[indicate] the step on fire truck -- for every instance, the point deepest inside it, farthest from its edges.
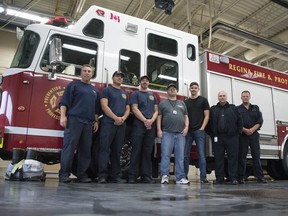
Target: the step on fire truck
(49, 57)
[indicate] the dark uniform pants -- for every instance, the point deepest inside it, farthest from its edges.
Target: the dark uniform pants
(244, 143)
(230, 144)
(76, 134)
(112, 138)
(142, 141)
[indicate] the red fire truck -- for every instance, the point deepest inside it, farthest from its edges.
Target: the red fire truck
(49, 57)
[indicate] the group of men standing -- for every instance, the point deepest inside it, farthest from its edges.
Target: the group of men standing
(178, 123)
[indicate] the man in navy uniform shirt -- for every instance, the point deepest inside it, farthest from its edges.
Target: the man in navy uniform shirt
(115, 106)
(145, 108)
(252, 121)
(79, 122)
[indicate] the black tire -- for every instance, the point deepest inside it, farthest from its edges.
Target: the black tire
(126, 149)
(155, 167)
(285, 159)
(92, 171)
(275, 170)
(125, 159)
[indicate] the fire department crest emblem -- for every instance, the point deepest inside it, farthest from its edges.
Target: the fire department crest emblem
(51, 101)
(124, 96)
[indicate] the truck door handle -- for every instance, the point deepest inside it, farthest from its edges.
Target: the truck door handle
(26, 82)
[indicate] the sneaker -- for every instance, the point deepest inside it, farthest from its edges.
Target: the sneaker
(183, 181)
(165, 179)
(204, 181)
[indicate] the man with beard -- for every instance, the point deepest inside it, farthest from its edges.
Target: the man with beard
(145, 109)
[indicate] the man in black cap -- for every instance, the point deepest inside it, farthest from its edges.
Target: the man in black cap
(116, 109)
(172, 127)
(145, 108)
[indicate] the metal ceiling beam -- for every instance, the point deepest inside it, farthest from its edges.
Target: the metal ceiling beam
(262, 49)
(149, 12)
(246, 35)
(77, 8)
(137, 9)
(234, 41)
(254, 14)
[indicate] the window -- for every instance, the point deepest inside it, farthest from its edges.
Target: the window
(130, 66)
(162, 72)
(75, 53)
(95, 28)
(191, 52)
(26, 50)
(162, 44)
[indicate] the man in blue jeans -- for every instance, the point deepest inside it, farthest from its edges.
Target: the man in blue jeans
(198, 113)
(172, 127)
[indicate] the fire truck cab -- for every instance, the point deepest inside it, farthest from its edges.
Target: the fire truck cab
(49, 57)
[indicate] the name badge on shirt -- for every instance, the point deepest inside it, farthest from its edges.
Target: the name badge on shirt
(174, 112)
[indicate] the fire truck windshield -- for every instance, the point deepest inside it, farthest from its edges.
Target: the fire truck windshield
(26, 50)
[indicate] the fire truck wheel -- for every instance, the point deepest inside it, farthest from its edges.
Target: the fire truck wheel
(125, 159)
(155, 167)
(92, 171)
(285, 159)
(276, 170)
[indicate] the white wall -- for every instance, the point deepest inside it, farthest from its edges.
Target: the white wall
(8, 46)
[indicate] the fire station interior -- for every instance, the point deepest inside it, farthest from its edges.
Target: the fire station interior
(252, 31)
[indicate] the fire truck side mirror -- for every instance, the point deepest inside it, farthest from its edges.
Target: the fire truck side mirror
(55, 56)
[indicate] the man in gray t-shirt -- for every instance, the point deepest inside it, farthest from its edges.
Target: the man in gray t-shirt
(172, 127)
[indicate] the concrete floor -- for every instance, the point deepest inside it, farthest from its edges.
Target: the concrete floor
(53, 198)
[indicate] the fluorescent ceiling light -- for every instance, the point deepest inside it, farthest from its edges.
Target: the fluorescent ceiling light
(167, 77)
(79, 49)
(25, 15)
(1, 9)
